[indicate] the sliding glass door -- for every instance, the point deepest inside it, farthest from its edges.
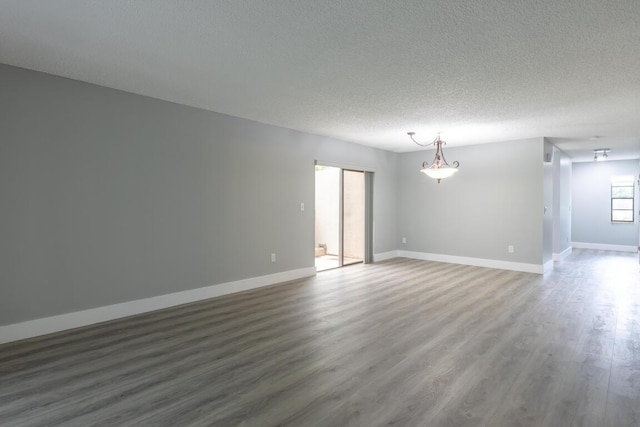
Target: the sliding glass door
(341, 217)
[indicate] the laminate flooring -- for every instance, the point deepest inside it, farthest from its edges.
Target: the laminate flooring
(401, 342)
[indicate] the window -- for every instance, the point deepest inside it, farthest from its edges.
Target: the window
(622, 198)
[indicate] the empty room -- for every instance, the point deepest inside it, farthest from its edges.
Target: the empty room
(307, 213)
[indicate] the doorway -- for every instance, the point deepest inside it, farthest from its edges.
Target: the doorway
(341, 217)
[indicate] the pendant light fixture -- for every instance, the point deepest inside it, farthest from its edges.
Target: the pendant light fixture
(439, 168)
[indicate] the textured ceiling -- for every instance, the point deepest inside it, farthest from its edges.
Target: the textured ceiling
(362, 71)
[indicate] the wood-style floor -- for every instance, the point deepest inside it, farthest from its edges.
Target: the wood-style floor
(402, 342)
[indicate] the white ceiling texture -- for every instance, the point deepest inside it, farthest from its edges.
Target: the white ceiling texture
(358, 70)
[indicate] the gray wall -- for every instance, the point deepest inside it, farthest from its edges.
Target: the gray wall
(110, 197)
(561, 201)
(495, 200)
(591, 203)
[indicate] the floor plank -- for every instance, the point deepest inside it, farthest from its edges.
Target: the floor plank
(401, 342)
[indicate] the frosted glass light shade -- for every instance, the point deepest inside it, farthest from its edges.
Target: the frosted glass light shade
(439, 173)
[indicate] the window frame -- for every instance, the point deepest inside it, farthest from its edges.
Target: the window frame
(624, 182)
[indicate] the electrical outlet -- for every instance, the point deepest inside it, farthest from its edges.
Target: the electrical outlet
(273, 257)
(301, 207)
(511, 249)
(404, 240)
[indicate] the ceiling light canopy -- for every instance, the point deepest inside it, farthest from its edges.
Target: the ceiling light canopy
(439, 168)
(600, 154)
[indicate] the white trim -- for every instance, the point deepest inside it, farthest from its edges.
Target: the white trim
(385, 255)
(562, 255)
(478, 262)
(47, 325)
(605, 247)
(348, 166)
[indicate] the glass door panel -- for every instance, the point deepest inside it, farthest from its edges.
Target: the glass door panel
(328, 196)
(353, 216)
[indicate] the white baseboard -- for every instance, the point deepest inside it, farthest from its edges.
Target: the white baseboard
(47, 325)
(605, 247)
(478, 262)
(562, 255)
(385, 255)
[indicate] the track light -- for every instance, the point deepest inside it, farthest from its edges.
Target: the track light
(600, 154)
